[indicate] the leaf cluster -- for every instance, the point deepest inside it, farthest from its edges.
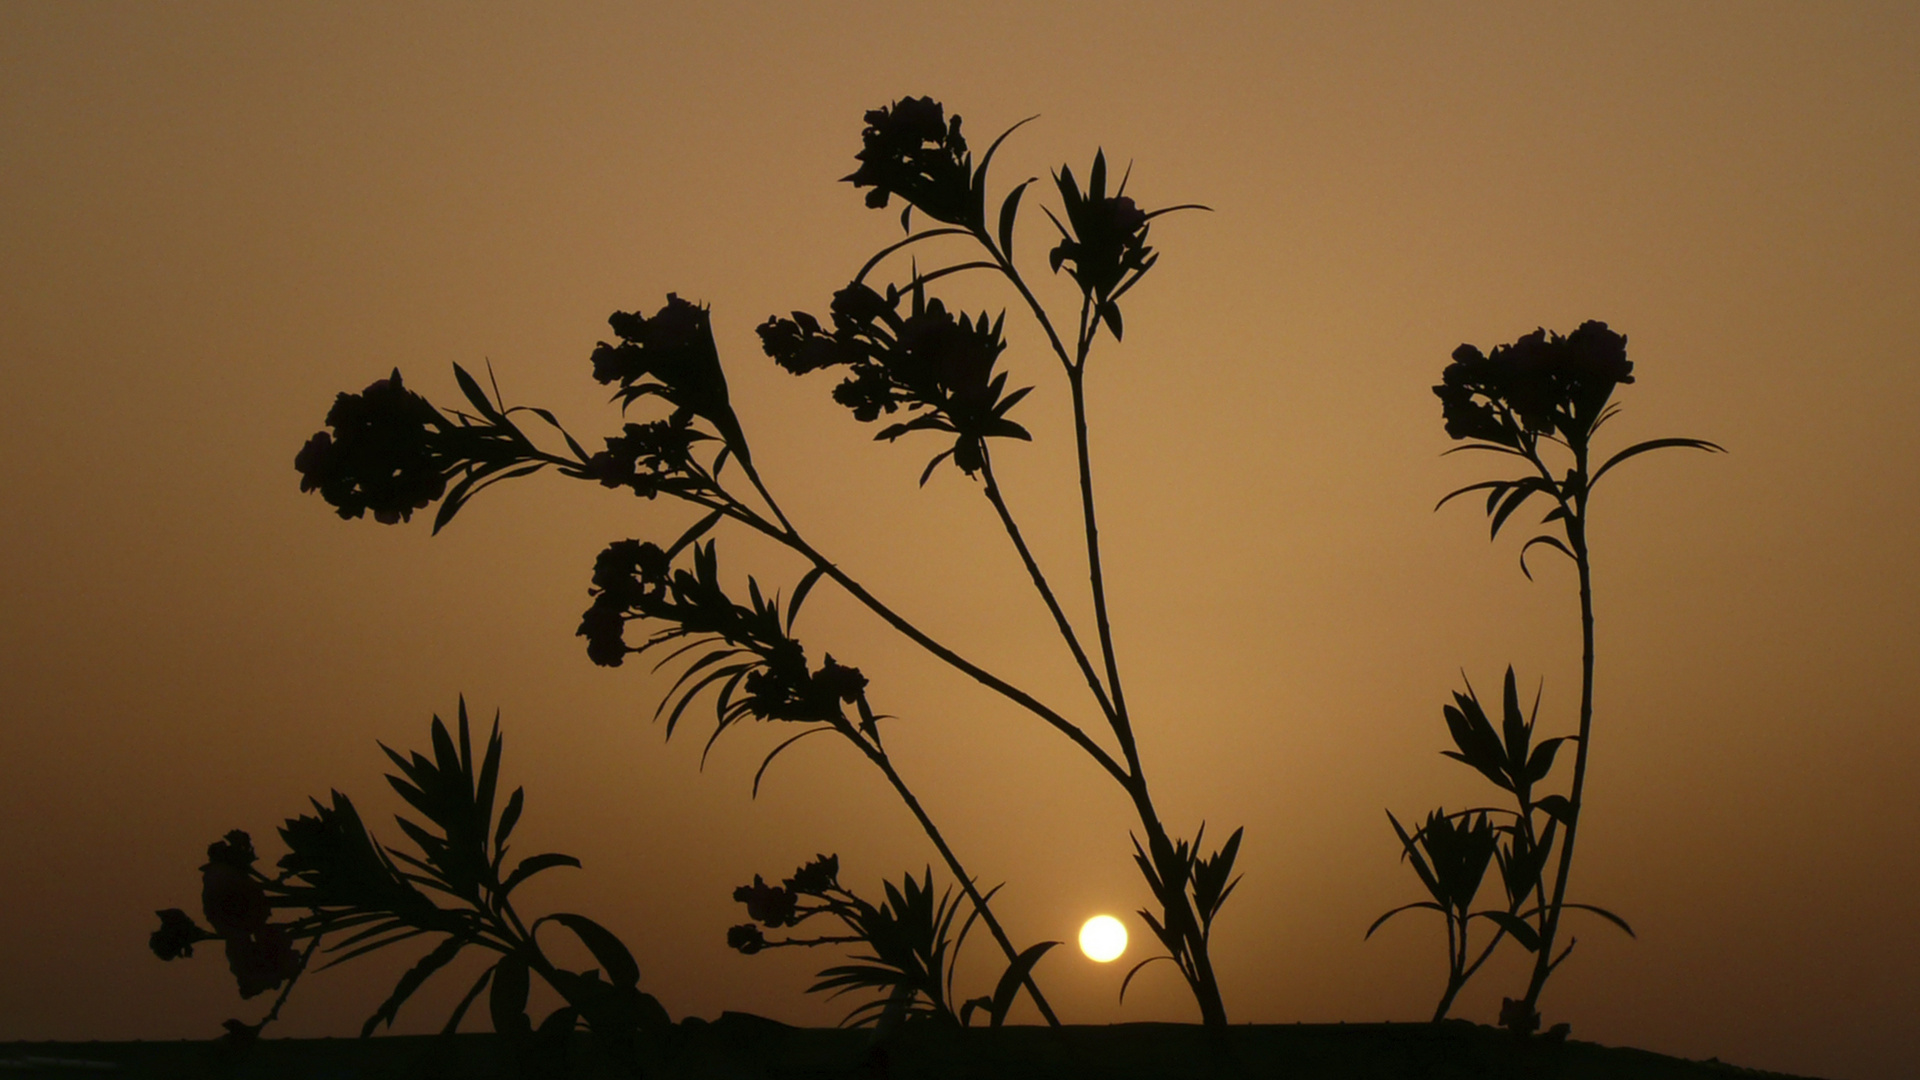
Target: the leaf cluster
(928, 362)
(1180, 877)
(343, 884)
(910, 947)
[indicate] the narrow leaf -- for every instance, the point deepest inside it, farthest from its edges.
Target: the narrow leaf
(762, 771)
(1136, 971)
(1427, 904)
(612, 953)
(411, 981)
(1605, 914)
(533, 865)
(460, 1010)
(1653, 444)
(508, 1002)
(800, 592)
(695, 532)
(1010, 981)
(1513, 925)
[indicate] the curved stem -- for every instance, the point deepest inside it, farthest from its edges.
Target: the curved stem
(919, 637)
(1046, 592)
(786, 534)
(1033, 303)
(878, 756)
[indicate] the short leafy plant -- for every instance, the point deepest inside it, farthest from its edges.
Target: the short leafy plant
(1523, 400)
(338, 884)
(903, 353)
(911, 949)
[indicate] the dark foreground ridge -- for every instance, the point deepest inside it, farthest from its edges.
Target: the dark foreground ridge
(742, 1047)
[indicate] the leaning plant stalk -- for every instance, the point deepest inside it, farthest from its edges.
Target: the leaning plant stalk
(877, 754)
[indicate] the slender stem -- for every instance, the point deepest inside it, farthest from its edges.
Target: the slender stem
(1179, 913)
(790, 537)
(1046, 591)
(1096, 577)
(753, 475)
(878, 756)
(1456, 957)
(274, 1013)
(1033, 302)
(1576, 529)
(955, 660)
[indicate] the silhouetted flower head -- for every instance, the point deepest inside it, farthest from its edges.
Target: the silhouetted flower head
(177, 934)
(747, 938)
(651, 458)
(1105, 236)
(381, 455)
(912, 150)
(627, 577)
(670, 356)
(782, 688)
(262, 960)
(1542, 385)
(231, 895)
(816, 877)
(928, 362)
(767, 904)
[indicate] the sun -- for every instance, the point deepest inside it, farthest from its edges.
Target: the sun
(1103, 938)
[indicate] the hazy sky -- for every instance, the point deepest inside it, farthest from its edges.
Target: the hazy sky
(217, 216)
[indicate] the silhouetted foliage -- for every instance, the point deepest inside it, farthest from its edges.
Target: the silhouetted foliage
(905, 352)
(1519, 400)
(337, 882)
(910, 948)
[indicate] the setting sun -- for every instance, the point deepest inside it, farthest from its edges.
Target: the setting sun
(1103, 938)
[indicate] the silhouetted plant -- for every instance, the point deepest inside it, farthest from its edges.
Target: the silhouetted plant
(935, 365)
(1517, 400)
(911, 951)
(337, 882)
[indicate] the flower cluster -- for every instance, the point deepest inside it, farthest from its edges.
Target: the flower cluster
(779, 906)
(383, 454)
(912, 150)
(1543, 385)
(670, 356)
(233, 897)
(651, 458)
(635, 580)
(928, 362)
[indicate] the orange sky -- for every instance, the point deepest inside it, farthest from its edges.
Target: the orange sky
(217, 216)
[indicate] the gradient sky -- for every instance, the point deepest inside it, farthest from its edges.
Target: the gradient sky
(217, 216)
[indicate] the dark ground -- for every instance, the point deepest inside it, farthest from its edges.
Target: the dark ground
(751, 1048)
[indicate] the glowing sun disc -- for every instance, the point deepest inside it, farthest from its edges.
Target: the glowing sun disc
(1103, 938)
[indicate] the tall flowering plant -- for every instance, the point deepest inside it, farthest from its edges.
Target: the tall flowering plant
(1540, 400)
(905, 354)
